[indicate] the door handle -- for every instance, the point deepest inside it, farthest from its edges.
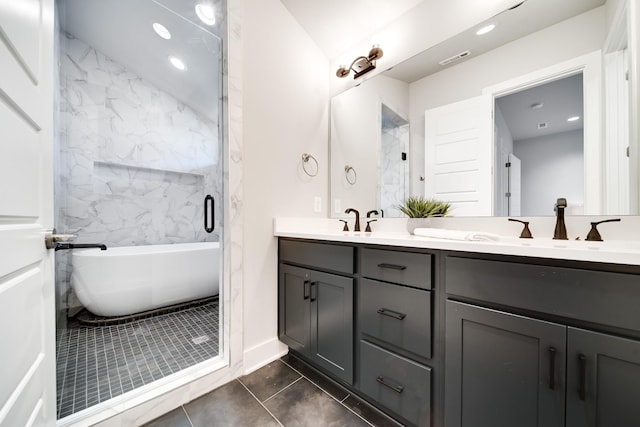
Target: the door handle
(51, 238)
(209, 204)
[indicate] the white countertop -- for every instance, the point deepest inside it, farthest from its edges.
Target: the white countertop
(611, 251)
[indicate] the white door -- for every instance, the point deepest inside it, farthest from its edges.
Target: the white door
(27, 321)
(515, 185)
(458, 155)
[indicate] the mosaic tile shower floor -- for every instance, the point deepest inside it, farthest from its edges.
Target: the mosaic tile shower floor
(94, 364)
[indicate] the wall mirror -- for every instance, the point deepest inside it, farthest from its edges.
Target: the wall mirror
(456, 121)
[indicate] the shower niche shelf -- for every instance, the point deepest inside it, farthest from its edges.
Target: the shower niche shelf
(100, 164)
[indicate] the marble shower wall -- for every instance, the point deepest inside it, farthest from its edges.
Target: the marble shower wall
(135, 162)
(394, 174)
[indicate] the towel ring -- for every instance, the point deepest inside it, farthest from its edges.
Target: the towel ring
(305, 161)
(350, 174)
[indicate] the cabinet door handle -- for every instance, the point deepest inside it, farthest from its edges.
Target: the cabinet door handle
(552, 368)
(397, 388)
(582, 362)
(314, 291)
(392, 266)
(209, 215)
(305, 290)
(391, 313)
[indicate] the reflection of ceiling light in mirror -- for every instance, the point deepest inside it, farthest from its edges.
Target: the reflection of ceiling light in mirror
(205, 13)
(485, 29)
(573, 119)
(177, 63)
(161, 30)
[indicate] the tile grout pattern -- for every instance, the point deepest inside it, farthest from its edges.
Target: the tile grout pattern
(94, 364)
(283, 393)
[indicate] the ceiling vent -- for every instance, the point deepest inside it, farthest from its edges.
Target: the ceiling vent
(543, 125)
(455, 58)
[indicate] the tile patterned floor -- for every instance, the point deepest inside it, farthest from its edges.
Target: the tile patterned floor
(94, 364)
(283, 393)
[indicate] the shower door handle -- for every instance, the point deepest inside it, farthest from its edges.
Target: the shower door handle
(209, 215)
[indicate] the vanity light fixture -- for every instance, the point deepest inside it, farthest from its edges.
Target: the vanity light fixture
(206, 13)
(176, 62)
(161, 30)
(573, 119)
(485, 29)
(362, 64)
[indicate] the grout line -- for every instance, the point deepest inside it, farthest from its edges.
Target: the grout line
(187, 414)
(345, 398)
(283, 389)
(260, 403)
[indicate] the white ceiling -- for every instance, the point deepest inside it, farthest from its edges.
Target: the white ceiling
(122, 30)
(561, 99)
(336, 25)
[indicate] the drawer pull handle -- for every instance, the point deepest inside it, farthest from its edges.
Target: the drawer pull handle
(391, 313)
(397, 388)
(582, 391)
(392, 266)
(552, 368)
(306, 290)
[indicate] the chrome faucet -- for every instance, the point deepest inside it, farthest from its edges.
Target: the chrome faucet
(357, 225)
(560, 232)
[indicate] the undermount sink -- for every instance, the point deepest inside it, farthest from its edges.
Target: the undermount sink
(609, 246)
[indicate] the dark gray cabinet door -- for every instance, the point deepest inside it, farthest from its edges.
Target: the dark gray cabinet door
(603, 380)
(503, 370)
(331, 298)
(315, 312)
(294, 313)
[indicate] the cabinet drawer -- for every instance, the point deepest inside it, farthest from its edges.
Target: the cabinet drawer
(396, 383)
(405, 268)
(602, 297)
(396, 314)
(320, 255)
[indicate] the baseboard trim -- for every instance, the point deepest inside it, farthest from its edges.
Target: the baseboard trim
(266, 352)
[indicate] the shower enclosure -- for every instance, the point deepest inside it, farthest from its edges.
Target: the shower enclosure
(139, 145)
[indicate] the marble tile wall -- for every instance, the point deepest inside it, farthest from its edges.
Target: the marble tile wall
(135, 163)
(394, 171)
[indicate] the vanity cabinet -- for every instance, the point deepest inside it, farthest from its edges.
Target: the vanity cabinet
(315, 306)
(504, 368)
(395, 332)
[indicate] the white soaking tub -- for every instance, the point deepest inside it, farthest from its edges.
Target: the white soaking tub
(127, 280)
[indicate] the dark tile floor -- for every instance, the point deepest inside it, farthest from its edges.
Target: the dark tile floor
(97, 363)
(283, 393)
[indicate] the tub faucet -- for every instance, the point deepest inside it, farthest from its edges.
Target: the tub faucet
(357, 225)
(374, 212)
(560, 232)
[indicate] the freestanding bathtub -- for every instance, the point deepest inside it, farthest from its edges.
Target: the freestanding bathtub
(127, 280)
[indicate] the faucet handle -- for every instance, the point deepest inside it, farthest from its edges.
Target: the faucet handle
(368, 229)
(346, 225)
(594, 234)
(526, 233)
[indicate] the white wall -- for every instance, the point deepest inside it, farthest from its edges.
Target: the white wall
(552, 167)
(356, 134)
(569, 39)
(285, 114)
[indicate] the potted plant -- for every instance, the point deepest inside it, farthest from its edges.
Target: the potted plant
(420, 209)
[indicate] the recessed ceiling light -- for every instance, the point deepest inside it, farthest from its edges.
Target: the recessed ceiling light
(573, 119)
(206, 13)
(177, 63)
(161, 30)
(485, 29)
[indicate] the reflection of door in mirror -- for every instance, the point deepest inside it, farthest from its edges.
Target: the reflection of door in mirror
(543, 127)
(394, 170)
